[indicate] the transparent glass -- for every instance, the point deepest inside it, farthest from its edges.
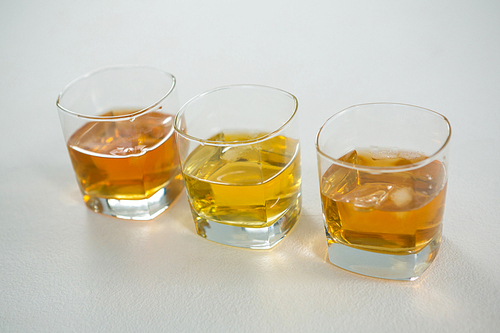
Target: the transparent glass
(383, 172)
(240, 158)
(118, 127)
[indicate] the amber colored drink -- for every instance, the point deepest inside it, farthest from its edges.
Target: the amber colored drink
(129, 159)
(247, 185)
(395, 213)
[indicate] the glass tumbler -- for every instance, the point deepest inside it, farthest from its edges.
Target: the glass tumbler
(383, 170)
(240, 157)
(118, 127)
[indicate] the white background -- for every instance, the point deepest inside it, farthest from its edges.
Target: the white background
(64, 268)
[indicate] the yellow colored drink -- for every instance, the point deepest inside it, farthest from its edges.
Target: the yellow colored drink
(249, 185)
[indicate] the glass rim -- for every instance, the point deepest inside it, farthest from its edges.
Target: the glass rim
(398, 168)
(112, 68)
(261, 138)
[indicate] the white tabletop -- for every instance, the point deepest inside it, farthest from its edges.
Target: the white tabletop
(64, 268)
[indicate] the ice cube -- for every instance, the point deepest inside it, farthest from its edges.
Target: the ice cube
(122, 151)
(351, 157)
(379, 153)
(240, 153)
(401, 196)
(338, 180)
(368, 195)
(413, 156)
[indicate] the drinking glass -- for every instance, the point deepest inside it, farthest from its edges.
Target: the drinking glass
(383, 171)
(240, 158)
(118, 126)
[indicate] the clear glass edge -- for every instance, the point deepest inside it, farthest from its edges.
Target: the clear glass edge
(234, 143)
(122, 117)
(376, 169)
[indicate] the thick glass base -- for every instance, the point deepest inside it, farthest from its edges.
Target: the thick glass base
(381, 265)
(251, 238)
(143, 210)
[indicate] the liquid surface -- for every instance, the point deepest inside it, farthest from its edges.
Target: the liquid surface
(396, 213)
(248, 185)
(125, 159)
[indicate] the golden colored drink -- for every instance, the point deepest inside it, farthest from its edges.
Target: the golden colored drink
(396, 213)
(246, 185)
(126, 159)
